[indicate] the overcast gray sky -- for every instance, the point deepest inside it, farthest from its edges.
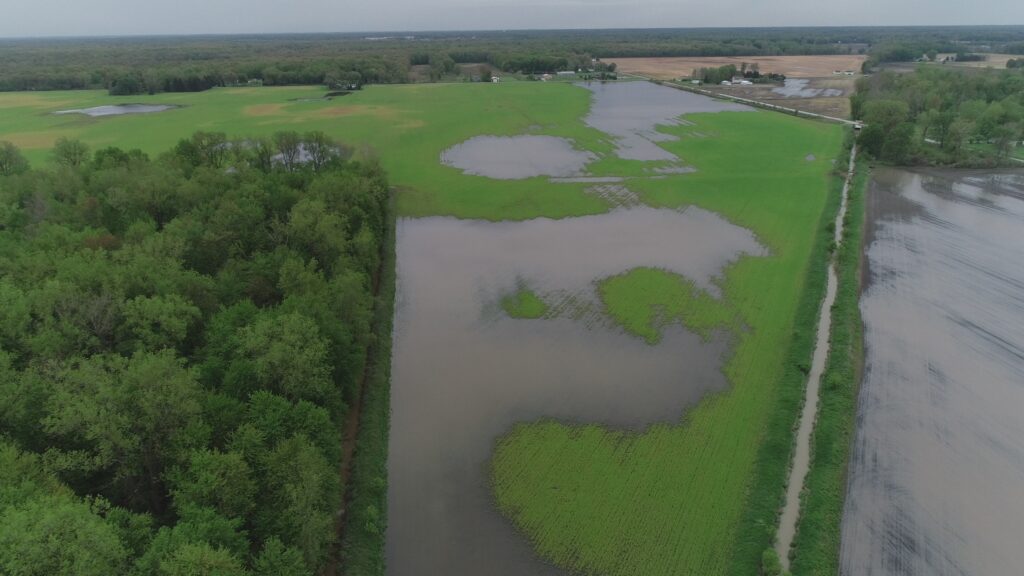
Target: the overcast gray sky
(121, 17)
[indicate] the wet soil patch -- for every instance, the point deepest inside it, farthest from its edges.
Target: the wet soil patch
(799, 88)
(937, 473)
(119, 110)
(517, 157)
(463, 372)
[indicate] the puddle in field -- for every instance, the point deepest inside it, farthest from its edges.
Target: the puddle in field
(516, 157)
(800, 88)
(119, 110)
(631, 111)
(937, 474)
(463, 373)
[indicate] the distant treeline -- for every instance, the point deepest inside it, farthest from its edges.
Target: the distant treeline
(141, 65)
(181, 342)
(167, 64)
(751, 72)
(941, 115)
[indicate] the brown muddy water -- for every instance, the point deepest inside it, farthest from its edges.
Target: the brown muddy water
(464, 372)
(515, 157)
(119, 110)
(630, 112)
(801, 463)
(937, 475)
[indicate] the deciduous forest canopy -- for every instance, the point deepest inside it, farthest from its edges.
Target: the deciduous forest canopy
(181, 340)
(941, 116)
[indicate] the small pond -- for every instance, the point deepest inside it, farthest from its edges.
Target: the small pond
(119, 110)
(516, 157)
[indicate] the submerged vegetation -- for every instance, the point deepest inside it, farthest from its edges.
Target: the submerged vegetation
(524, 303)
(182, 340)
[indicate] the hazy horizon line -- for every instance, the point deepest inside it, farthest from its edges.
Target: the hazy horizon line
(396, 34)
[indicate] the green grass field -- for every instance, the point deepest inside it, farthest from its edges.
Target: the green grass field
(408, 126)
(675, 498)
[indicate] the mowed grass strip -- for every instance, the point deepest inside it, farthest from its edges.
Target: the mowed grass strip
(671, 499)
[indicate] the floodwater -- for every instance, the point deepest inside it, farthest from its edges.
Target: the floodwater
(631, 111)
(516, 157)
(802, 453)
(119, 110)
(464, 372)
(799, 88)
(937, 475)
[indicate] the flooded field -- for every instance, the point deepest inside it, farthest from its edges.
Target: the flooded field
(631, 111)
(628, 112)
(937, 476)
(464, 372)
(119, 110)
(515, 157)
(801, 88)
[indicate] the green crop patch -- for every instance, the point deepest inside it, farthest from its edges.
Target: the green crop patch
(524, 303)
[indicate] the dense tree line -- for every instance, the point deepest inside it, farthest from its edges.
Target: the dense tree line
(142, 65)
(941, 116)
(180, 339)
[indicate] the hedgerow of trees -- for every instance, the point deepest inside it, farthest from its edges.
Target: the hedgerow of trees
(180, 342)
(941, 116)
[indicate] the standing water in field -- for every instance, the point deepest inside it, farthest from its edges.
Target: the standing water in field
(937, 476)
(119, 110)
(632, 111)
(515, 157)
(463, 372)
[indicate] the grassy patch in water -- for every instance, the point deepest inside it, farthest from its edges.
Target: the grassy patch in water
(645, 300)
(676, 498)
(524, 304)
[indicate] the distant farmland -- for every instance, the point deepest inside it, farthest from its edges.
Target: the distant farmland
(791, 66)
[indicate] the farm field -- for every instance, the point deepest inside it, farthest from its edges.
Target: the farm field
(829, 96)
(670, 499)
(667, 68)
(672, 489)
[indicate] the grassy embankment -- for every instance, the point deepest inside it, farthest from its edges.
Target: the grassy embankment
(816, 547)
(365, 518)
(675, 499)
